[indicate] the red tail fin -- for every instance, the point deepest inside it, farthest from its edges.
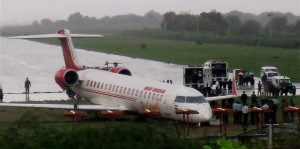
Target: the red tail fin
(66, 42)
(234, 91)
(68, 50)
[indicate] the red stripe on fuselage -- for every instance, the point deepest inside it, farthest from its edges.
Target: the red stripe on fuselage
(109, 94)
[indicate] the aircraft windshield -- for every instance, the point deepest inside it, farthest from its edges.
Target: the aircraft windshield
(182, 99)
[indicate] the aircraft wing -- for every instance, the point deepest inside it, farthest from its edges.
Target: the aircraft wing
(64, 106)
(219, 97)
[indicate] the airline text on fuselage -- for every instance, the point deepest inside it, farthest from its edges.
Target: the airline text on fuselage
(156, 90)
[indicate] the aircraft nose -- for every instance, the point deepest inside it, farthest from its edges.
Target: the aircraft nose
(205, 113)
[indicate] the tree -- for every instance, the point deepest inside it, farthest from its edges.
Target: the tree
(234, 24)
(75, 19)
(168, 21)
(185, 22)
(46, 22)
(250, 27)
(277, 25)
(217, 19)
(295, 28)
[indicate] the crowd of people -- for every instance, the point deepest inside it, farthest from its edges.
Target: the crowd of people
(246, 109)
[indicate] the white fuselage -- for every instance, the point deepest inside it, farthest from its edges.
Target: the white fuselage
(139, 94)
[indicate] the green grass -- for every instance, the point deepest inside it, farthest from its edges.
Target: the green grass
(251, 58)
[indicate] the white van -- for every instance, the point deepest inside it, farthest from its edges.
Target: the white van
(273, 70)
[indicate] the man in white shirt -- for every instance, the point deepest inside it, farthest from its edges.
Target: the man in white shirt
(245, 111)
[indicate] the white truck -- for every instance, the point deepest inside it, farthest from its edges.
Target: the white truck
(204, 77)
(271, 70)
(268, 72)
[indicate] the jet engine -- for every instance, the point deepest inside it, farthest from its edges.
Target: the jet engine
(120, 70)
(66, 78)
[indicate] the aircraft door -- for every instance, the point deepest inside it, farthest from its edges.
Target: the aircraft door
(166, 107)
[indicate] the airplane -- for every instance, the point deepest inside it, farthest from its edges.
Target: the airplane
(116, 90)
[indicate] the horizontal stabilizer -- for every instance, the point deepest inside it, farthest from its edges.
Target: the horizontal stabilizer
(56, 36)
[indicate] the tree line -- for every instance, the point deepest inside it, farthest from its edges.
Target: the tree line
(270, 29)
(216, 22)
(280, 31)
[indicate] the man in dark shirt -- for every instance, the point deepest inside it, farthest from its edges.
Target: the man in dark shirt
(27, 86)
(244, 98)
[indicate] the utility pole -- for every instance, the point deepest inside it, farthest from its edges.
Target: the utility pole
(197, 19)
(270, 27)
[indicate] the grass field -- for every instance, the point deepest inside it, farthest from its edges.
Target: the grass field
(250, 58)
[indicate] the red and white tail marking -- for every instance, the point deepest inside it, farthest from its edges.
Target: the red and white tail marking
(68, 50)
(64, 36)
(234, 90)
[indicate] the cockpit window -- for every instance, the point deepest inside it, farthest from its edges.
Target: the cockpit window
(180, 99)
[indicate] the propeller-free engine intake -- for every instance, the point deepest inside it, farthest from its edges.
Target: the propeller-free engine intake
(66, 78)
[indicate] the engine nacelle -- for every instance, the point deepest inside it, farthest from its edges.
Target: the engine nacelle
(120, 70)
(66, 78)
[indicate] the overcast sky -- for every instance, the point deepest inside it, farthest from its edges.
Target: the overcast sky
(16, 12)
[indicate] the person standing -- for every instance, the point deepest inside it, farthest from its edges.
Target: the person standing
(229, 84)
(239, 112)
(253, 98)
(259, 88)
(234, 107)
(245, 111)
(274, 109)
(27, 86)
(244, 98)
(292, 115)
(285, 115)
(1, 94)
(266, 114)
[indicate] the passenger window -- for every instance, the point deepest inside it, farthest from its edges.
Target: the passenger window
(117, 89)
(109, 87)
(149, 95)
(141, 93)
(132, 92)
(161, 96)
(102, 84)
(145, 94)
(113, 88)
(91, 84)
(87, 83)
(180, 99)
(124, 92)
(121, 89)
(129, 91)
(106, 86)
(98, 85)
(157, 96)
(137, 92)
(153, 96)
(95, 83)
